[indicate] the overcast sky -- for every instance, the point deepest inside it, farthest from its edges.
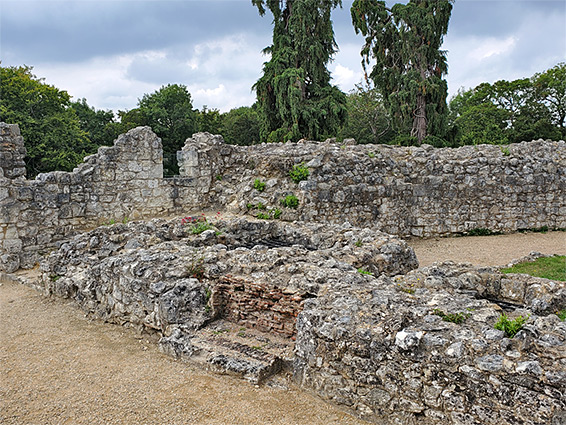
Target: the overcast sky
(112, 52)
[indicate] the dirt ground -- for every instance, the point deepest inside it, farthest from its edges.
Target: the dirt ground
(59, 367)
(497, 250)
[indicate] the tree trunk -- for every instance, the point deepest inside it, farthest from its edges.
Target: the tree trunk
(419, 120)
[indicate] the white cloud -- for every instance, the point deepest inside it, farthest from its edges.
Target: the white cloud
(344, 77)
(492, 47)
(218, 73)
(103, 81)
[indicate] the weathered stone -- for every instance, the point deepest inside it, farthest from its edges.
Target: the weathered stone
(370, 330)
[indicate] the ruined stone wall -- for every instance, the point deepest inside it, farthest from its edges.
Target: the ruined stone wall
(418, 191)
(406, 191)
(384, 350)
(121, 182)
(376, 344)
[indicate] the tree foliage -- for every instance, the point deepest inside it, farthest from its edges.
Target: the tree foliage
(368, 119)
(169, 112)
(550, 89)
(240, 126)
(510, 111)
(294, 95)
(409, 66)
(99, 125)
(50, 127)
(209, 120)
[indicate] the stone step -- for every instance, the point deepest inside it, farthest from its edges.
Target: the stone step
(225, 347)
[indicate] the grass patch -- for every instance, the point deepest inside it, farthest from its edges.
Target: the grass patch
(457, 318)
(561, 315)
(553, 268)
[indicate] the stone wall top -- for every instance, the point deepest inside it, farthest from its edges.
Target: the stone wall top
(12, 152)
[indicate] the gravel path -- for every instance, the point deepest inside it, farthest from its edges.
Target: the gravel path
(58, 367)
(488, 250)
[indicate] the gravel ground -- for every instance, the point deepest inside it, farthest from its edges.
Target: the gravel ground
(59, 367)
(497, 250)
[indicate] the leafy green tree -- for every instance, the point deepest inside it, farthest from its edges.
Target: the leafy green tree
(511, 111)
(209, 120)
(169, 112)
(550, 89)
(50, 127)
(131, 119)
(482, 124)
(241, 126)
(368, 119)
(534, 121)
(98, 124)
(294, 95)
(409, 66)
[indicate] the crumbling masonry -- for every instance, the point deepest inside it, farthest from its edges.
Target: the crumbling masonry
(325, 292)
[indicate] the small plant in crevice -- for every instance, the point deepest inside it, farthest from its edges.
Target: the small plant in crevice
(505, 150)
(259, 185)
(197, 225)
(207, 294)
(54, 277)
(299, 172)
(510, 326)
(365, 272)
(358, 243)
(408, 288)
(195, 268)
(561, 314)
(271, 214)
(290, 201)
(457, 318)
(371, 154)
(219, 177)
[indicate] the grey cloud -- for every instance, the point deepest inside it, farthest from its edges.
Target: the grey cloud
(499, 17)
(70, 31)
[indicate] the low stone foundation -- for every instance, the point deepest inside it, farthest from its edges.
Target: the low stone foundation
(367, 326)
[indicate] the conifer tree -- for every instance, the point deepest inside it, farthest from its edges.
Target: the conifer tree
(295, 97)
(405, 43)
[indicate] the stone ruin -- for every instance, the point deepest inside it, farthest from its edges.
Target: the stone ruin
(321, 295)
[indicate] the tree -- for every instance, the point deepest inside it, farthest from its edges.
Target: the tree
(209, 120)
(550, 89)
(51, 129)
(294, 95)
(510, 111)
(169, 112)
(241, 126)
(98, 124)
(368, 120)
(405, 43)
